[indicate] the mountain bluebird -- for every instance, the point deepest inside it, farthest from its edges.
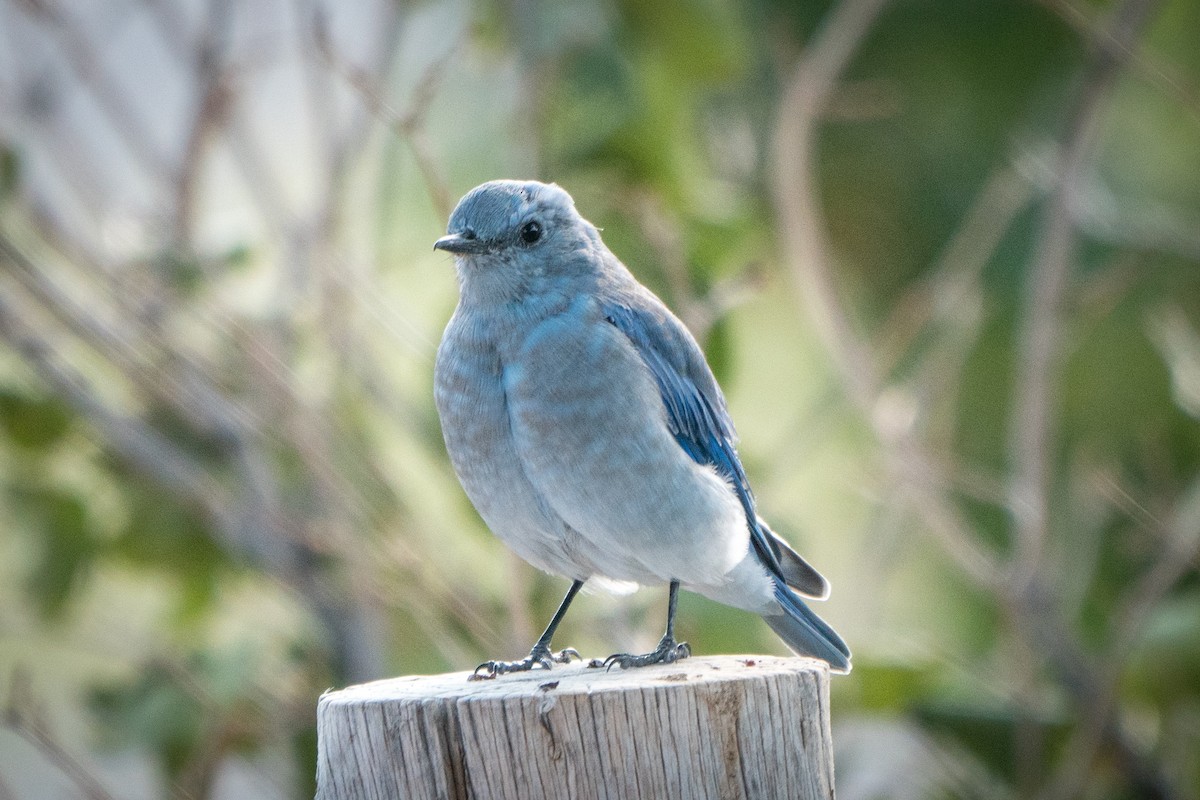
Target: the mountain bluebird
(588, 430)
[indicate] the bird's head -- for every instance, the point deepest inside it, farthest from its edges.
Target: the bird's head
(508, 217)
(516, 237)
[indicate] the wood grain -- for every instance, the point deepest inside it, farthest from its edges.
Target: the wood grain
(719, 727)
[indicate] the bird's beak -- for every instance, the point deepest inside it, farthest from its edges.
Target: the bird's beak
(460, 245)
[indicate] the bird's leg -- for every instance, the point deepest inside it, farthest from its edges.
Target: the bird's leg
(668, 651)
(540, 655)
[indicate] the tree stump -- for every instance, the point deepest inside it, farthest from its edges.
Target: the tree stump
(720, 727)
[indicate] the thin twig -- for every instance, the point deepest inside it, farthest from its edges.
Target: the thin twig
(23, 717)
(801, 223)
(1032, 426)
(954, 280)
(1176, 557)
(138, 443)
(135, 442)
(112, 99)
(1143, 64)
(213, 100)
(130, 351)
(1038, 349)
(408, 124)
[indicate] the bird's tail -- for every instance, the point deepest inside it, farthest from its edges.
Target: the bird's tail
(806, 633)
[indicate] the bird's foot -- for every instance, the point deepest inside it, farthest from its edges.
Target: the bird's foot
(668, 652)
(539, 656)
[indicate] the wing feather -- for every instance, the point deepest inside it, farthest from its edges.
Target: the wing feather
(696, 413)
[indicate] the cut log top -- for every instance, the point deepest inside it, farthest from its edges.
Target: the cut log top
(726, 726)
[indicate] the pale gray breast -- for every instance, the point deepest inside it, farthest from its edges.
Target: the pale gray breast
(470, 400)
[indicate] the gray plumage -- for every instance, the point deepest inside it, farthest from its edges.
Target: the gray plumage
(587, 428)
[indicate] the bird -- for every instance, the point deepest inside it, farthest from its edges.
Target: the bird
(587, 429)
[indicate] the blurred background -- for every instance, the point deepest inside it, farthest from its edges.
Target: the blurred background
(944, 258)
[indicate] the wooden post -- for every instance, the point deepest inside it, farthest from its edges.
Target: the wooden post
(720, 727)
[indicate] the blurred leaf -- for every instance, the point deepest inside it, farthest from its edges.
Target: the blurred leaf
(10, 171)
(171, 709)
(1116, 391)
(990, 522)
(1167, 660)
(982, 422)
(594, 102)
(34, 422)
(181, 271)
(67, 547)
(998, 736)
(163, 534)
(701, 42)
(886, 688)
(151, 712)
(238, 256)
(1179, 346)
(1119, 561)
(964, 80)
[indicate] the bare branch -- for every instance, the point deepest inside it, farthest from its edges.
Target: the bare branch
(408, 124)
(1165, 78)
(954, 279)
(111, 98)
(137, 443)
(184, 388)
(23, 717)
(1031, 606)
(1038, 349)
(801, 223)
(212, 113)
(1176, 557)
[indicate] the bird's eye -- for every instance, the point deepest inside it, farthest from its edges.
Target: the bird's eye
(531, 232)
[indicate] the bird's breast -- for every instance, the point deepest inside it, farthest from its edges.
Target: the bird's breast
(473, 408)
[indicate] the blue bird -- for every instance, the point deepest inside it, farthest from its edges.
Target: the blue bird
(590, 434)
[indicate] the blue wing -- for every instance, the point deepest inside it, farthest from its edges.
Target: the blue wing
(695, 407)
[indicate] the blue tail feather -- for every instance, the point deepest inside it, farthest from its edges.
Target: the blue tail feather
(805, 632)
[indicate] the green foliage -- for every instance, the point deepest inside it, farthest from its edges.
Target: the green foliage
(985, 393)
(34, 422)
(1169, 651)
(1116, 387)
(67, 544)
(185, 713)
(1001, 738)
(10, 171)
(152, 713)
(163, 535)
(967, 80)
(888, 689)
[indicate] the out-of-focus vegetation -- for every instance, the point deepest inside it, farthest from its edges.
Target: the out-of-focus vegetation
(944, 256)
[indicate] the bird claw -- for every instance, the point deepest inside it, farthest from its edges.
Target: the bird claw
(668, 652)
(540, 656)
